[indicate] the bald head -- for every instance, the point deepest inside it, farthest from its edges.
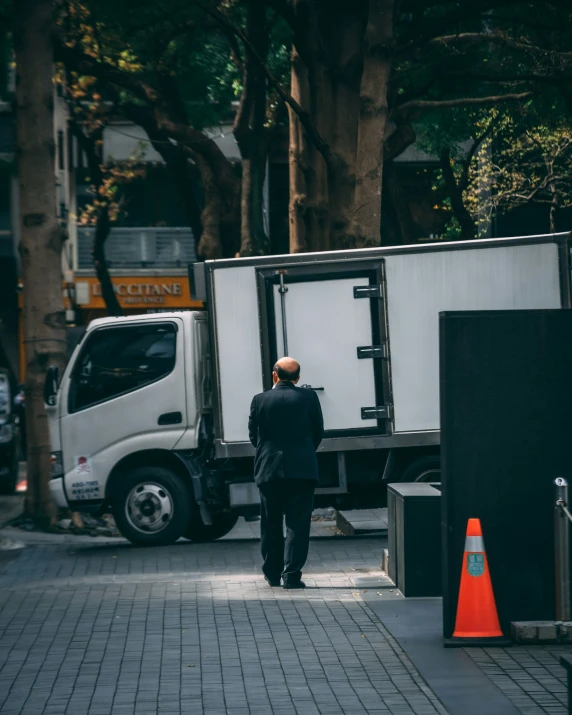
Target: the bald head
(287, 369)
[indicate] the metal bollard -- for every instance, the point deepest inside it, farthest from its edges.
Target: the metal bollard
(562, 551)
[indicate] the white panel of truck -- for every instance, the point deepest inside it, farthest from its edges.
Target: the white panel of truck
(238, 338)
(325, 326)
(421, 285)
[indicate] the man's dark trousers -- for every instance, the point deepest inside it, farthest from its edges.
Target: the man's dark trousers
(292, 499)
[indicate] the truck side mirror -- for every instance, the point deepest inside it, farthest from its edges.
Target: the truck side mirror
(51, 386)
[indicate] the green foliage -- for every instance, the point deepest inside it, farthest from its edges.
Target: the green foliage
(174, 46)
(531, 164)
(108, 193)
(523, 156)
(166, 44)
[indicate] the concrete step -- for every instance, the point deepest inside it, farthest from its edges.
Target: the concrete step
(354, 522)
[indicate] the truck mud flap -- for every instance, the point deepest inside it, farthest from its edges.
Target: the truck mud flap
(198, 481)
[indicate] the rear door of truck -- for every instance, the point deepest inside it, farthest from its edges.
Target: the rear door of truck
(331, 318)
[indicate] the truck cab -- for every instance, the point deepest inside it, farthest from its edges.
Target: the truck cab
(126, 423)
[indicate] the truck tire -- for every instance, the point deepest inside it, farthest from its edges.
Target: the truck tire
(424, 469)
(222, 524)
(152, 507)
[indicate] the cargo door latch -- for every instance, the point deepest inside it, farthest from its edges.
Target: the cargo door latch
(381, 412)
(367, 291)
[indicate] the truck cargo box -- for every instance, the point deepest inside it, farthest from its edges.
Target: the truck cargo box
(364, 326)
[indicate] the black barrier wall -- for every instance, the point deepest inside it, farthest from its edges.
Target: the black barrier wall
(506, 433)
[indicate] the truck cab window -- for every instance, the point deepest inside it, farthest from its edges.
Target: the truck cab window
(119, 360)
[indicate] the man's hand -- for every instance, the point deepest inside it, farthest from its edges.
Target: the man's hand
(253, 423)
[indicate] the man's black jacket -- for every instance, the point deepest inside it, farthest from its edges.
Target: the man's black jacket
(286, 427)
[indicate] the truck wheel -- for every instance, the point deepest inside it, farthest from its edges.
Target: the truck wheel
(152, 507)
(424, 469)
(222, 524)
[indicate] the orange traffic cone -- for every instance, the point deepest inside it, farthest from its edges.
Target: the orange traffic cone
(477, 621)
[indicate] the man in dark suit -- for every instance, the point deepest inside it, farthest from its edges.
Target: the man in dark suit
(286, 427)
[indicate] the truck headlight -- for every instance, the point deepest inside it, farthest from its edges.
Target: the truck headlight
(56, 465)
(6, 433)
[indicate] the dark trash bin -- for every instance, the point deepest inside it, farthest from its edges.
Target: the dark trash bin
(414, 538)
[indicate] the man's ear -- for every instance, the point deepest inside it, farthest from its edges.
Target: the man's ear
(297, 380)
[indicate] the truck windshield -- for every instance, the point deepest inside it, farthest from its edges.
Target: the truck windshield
(119, 360)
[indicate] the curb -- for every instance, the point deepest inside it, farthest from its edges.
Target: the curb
(350, 523)
(537, 632)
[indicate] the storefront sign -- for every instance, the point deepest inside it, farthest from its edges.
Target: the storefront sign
(137, 293)
(142, 293)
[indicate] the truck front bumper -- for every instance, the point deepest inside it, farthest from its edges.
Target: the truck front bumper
(57, 493)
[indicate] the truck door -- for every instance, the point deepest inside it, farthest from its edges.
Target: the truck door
(331, 319)
(124, 393)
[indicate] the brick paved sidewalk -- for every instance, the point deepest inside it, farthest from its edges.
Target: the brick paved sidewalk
(531, 677)
(194, 629)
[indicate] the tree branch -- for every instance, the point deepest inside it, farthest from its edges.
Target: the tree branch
(87, 145)
(428, 29)
(286, 97)
(455, 191)
(417, 107)
(497, 38)
(503, 78)
(464, 182)
(398, 141)
(235, 53)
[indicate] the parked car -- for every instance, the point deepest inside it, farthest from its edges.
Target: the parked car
(9, 436)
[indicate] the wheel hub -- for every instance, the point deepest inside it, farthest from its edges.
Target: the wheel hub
(149, 507)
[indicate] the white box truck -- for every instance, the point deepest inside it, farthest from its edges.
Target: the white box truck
(150, 417)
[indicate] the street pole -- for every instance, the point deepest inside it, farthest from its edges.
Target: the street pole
(562, 550)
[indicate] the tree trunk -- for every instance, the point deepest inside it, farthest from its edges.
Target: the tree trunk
(405, 226)
(554, 198)
(554, 207)
(455, 193)
(366, 219)
(91, 145)
(176, 161)
(221, 213)
(341, 109)
(326, 71)
(102, 231)
(178, 166)
(41, 238)
(553, 215)
(210, 246)
(249, 132)
(254, 241)
(340, 99)
(308, 210)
